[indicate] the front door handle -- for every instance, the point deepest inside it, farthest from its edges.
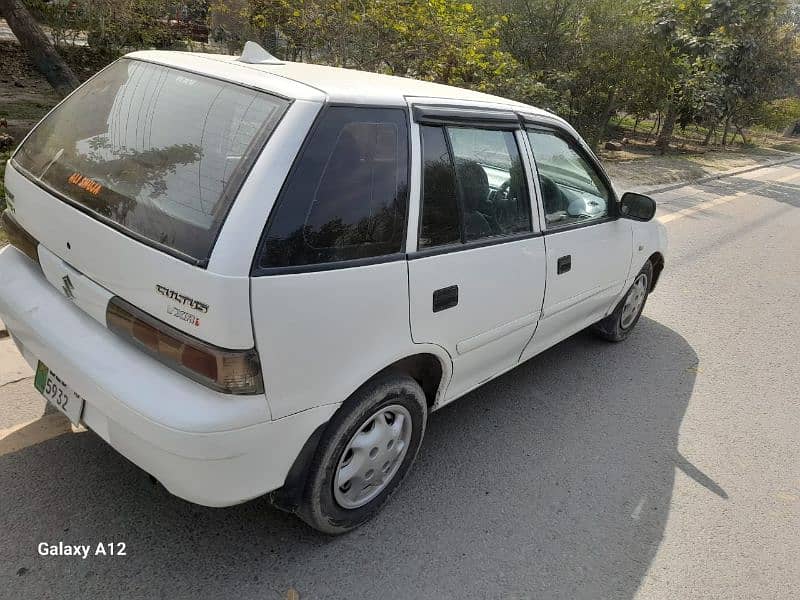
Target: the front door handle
(564, 264)
(445, 298)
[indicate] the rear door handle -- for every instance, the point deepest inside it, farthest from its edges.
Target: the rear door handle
(564, 264)
(445, 298)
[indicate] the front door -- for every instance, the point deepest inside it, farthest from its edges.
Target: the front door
(588, 247)
(476, 281)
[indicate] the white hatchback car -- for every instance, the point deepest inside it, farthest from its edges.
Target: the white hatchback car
(251, 276)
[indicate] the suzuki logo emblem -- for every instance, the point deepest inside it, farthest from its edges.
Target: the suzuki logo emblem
(68, 287)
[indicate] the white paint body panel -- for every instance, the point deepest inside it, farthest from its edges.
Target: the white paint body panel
(648, 239)
(601, 258)
(228, 69)
(500, 291)
(84, 293)
(321, 335)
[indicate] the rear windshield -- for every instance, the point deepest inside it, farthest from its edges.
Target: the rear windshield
(157, 152)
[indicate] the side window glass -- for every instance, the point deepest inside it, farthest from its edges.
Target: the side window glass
(440, 224)
(347, 195)
(491, 183)
(572, 190)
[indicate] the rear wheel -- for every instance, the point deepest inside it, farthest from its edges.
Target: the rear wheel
(619, 324)
(364, 454)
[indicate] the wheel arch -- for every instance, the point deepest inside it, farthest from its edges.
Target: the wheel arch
(657, 260)
(431, 370)
(426, 369)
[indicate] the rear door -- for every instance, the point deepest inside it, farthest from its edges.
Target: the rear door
(329, 283)
(476, 280)
(588, 246)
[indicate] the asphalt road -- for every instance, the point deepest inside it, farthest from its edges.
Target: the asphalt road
(663, 467)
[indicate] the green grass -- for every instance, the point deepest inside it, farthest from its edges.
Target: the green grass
(25, 110)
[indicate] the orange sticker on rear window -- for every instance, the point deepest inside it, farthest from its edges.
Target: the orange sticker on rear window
(90, 185)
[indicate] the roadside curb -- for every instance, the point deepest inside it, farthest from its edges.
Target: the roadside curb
(13, 367)
(716, 176)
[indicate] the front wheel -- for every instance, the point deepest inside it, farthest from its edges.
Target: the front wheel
(365, 452)
(619, 324)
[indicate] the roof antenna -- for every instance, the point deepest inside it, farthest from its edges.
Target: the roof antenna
(254, 54)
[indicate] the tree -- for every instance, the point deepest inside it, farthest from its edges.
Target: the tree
(594, 52)
(703, 62)
(613, 60)
(755, 56)
(725, 58)
(542, 34)
(38, 47)
(673, 33)
(436, 40)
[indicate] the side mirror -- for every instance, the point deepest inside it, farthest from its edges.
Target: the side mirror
(637, 206)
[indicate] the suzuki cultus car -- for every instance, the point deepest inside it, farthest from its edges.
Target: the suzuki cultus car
(252, 277)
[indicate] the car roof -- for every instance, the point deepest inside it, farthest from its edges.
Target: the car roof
(334, 84)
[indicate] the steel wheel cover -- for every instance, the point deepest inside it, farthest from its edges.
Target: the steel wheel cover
(634, 301)
(372, 457)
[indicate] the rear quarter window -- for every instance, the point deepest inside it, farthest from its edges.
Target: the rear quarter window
(346, 197)
(154, 151)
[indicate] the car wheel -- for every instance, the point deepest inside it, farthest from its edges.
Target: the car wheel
(364, 454)
(619, 324)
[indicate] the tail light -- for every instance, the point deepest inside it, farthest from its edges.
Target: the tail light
(228, 371)
(18, 237)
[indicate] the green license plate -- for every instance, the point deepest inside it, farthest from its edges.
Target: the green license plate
(58, 393)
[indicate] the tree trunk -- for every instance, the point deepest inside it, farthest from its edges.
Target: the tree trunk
(604, 119)
(38, 47)
(636, 122)
(654, 129)
(726, 130)
(665, 136)
(741, 133)
(712, 128)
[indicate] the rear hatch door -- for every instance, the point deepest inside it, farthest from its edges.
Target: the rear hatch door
(127, 183)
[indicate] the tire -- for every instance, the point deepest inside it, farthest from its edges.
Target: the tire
(618, 325)
(376, 415)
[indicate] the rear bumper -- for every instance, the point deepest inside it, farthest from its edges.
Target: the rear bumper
(209, 448)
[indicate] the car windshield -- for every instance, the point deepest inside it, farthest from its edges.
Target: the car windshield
(154, 151)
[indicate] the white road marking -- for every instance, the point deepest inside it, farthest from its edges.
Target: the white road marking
(685, 212)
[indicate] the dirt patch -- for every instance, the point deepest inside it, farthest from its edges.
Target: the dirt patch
(25, 96)
(788, 146)
(648, 171)
(640, 166)
(18, 75)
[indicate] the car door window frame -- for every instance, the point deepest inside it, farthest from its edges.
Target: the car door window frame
(256, 270)
(471, 117)
(591, 160)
